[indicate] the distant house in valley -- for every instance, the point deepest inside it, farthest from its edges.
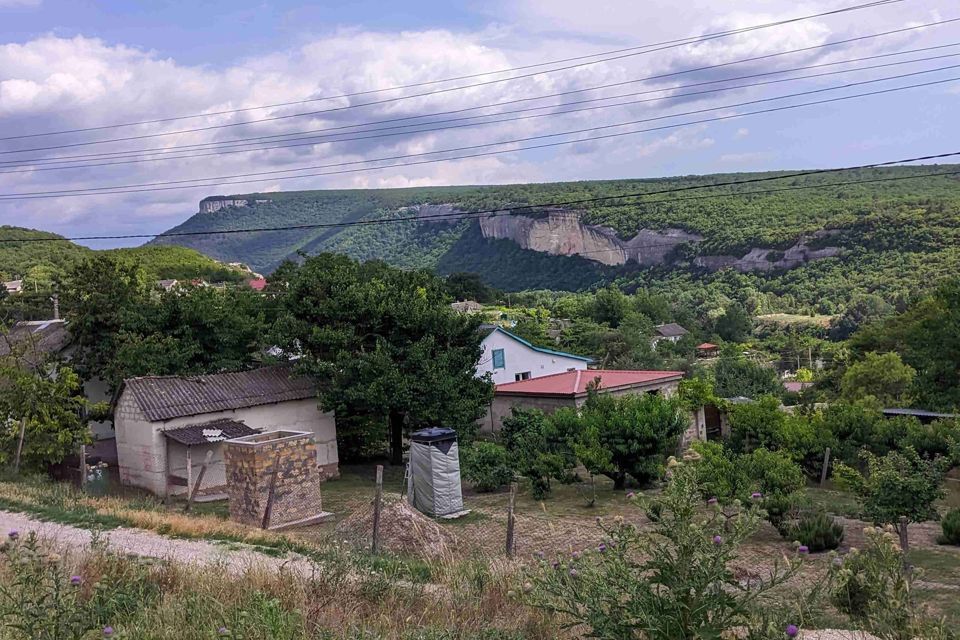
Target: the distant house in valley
(467, 306)
(795, 386)
(13, 286)
(509, 358)
(707, 350)
(257, 284)
(569, 389)
(166, 424)
(671, 332)
(168, 284)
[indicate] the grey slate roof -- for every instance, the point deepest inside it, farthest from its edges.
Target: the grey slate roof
(35, 340)
(210, 432)
(670, 330)
(166, 397)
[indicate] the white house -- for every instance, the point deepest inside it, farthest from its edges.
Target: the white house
(671, 332)
(510, 358)
(166, 425)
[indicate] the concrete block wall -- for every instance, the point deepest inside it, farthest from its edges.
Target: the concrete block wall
(250, 464)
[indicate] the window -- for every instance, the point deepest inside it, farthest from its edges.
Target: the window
(524, 375)
(499, 362)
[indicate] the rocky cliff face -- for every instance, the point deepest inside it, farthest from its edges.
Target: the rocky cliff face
(209, 205)
(561, 232)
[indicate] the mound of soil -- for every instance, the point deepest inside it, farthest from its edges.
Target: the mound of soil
(403, 529)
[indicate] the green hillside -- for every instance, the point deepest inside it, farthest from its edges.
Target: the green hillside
(896, 236)
(40, 263)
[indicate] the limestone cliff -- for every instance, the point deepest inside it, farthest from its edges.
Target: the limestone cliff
(215, 203)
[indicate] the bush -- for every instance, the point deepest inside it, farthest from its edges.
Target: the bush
(951, 528)
(539, 450)
(486, 466)
(818, 531)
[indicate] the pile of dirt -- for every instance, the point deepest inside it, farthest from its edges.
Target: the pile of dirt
(403, 529)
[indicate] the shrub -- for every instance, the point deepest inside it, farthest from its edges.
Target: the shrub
(539, 451)
(486, 466)
(951, 528)
(773, 473)
(672, 580)
(900, 484)
(817, 531)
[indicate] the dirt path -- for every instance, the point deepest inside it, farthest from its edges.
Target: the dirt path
(147, 544)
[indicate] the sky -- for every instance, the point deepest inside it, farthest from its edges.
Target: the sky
(79, 64)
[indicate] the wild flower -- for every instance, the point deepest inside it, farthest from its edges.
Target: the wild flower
(574, 573)
(803, 549)
(13, 534)
(76, 580)
(108, 632)
(712, 501)
(792, 631)
(575, 555)
(601, 547)
(756, 495)
(717, 540)
(223, 631)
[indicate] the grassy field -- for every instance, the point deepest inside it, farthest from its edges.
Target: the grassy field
(407, 592)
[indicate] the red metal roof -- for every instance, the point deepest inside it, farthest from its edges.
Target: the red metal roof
(707, 345)
(571, 383)
(257, 284)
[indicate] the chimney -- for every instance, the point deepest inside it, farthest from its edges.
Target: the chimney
(56, 306)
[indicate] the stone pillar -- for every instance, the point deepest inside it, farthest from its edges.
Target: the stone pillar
(250, 463)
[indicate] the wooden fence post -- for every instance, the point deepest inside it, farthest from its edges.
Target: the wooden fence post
(904, 539)
(83, 467)
(16, 460)
(826, 467)
(192, 495)
(511, 521)
(377, 501)
(271, 494)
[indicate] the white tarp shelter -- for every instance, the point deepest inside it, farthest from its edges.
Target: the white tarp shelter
(434, 481)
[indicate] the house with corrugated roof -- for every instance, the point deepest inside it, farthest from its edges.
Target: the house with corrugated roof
(671, 332)
(510, 358)
(167, 425)
(571, 388)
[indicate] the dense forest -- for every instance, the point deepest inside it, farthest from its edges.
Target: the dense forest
(896, 235)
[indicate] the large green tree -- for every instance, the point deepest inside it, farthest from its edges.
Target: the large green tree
(383, 343)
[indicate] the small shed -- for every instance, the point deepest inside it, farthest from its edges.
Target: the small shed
(165, 425)
(434, 480)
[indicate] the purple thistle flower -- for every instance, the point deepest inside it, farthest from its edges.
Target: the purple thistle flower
(76, 580)
(108, 632)
(712, 501)
(574, 573)
(803, 549)
(556, 565)
(756, 495)
(223, 631)
(717, 540)
(792, 631)
(602, 547)
(575, 555)
(631, 495)
(14, 534)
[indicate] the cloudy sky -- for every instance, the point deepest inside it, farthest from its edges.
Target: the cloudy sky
(80, 64)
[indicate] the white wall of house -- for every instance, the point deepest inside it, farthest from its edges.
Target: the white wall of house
(518, 358)
(142, 448)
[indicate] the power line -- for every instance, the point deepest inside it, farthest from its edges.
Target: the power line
(322, 139)
(567, 203)
(223, 180)
(354, 106)
(622, 53)
(276, 137)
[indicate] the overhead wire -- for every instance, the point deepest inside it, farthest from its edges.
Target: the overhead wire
(676, 96)
(274, 175)
(621, 53)
(277, 137)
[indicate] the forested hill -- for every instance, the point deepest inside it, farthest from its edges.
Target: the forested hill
(40, 263)
(907, 227)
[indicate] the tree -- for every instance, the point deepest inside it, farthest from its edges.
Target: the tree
(610, 306)
(638, 432)
(899, 484)
(883, 376)
(862, 310)
(384, 344)
(102, 296)
(735, 375)
(734, 325)
(539, 448)
(48, 407)
(469, 286)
